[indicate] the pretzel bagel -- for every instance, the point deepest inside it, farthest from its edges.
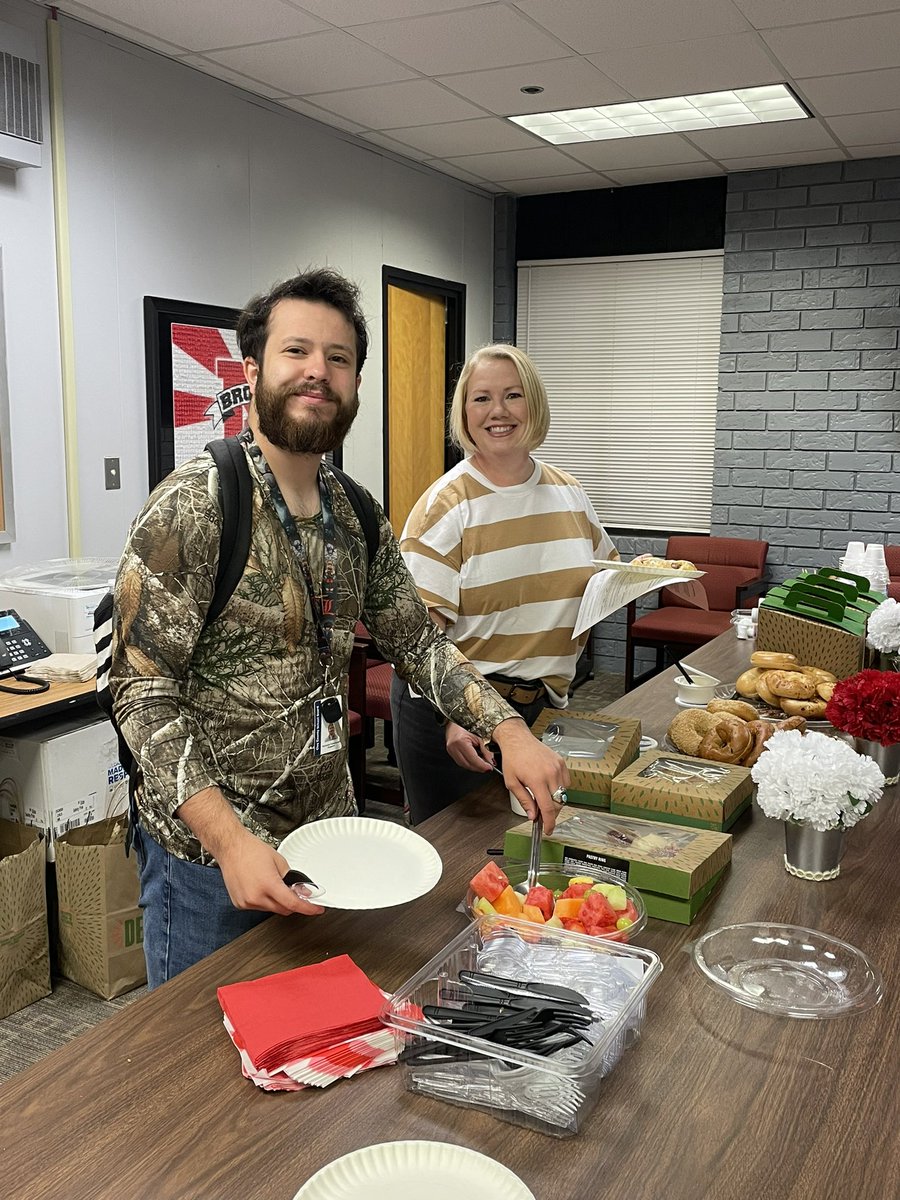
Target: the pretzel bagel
(792, 684)
(737, 708)
(727, 743)
(762, 731)
(770, 661)
(689, 728)
(790, 723)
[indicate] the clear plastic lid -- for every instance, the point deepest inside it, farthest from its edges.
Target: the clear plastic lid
(62, 576)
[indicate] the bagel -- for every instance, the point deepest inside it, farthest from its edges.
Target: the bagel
(770, 661)
(818, 674)
(825, 691)
(762, 690)
(738, 708)
(791, 723)
(689, 727)
(745, 684)
(727, 743)
(813, 709)
(670, 564)
(762, 731)
(792, 684)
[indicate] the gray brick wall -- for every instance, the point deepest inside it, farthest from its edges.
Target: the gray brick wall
(504, 269)
(808, 425)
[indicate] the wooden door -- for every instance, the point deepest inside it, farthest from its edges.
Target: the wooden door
(416, 398)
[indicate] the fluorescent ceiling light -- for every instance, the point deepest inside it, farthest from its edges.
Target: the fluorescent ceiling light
(673, 114)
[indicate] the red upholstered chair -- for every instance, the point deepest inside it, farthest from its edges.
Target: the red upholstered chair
(892, 558)
(734, 569)
(371, 698)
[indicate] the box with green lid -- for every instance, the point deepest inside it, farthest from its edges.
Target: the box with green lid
(675, 868)
(596, 747)
(662, 786)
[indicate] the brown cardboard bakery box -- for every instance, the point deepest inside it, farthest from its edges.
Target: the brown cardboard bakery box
(24, 935)
(811, 642)
(676, 869)
(661, 786)
(591, 778)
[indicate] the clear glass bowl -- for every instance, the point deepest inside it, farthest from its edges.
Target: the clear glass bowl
(788, 971)
(553, 876)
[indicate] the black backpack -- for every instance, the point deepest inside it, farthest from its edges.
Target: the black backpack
(236, 500)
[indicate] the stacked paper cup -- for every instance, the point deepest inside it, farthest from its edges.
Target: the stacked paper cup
(867, 561)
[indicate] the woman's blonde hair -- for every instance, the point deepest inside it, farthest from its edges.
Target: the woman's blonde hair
(537, 422)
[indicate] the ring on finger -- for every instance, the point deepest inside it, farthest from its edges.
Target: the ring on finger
(559, 796)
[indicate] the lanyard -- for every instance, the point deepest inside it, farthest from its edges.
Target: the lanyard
(320, 601)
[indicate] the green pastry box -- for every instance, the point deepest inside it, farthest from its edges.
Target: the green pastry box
(675, 868)
(617, 744)
(661, 786)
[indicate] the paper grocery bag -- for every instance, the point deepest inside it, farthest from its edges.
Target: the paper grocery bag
(101, 938)
(24, 937)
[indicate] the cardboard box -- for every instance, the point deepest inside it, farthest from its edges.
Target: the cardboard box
(60, 774)
(662, 786)
(814, 644)
(591, 778)
(24, 936)
(674, 868)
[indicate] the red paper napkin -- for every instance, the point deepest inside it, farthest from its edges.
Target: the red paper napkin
(293, 1014)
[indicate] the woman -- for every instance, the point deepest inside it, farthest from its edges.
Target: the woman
(501, 548)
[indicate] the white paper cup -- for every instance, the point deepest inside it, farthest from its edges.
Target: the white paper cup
(701, 691)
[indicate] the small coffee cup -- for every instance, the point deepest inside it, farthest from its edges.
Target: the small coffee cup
(701, 691)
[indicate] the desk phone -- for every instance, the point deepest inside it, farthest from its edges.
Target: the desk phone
(19, 644)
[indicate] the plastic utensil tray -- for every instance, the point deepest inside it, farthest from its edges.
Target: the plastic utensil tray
(552, 1095)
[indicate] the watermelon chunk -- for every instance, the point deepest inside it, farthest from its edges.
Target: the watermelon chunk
(542, 898)
(489, 882)
(576, 890)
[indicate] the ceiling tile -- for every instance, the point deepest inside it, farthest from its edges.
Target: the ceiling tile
(567, 83)
(681, 68)
(663, 174)
(779, 137)
(863, 91)
(128, 32)
(318, 114)
(389, 143)
(440, 164)
(889, 149)
(518, 164)
(350, 12)
(866, 128)
(651, 151)
(836, 47)
(764, 14)
(797, 158)
(203, 24)
(393, 105)
(589, 27)
(208, 67)
(556, 183)
(489, 36)
(480, 136)
(320, 62)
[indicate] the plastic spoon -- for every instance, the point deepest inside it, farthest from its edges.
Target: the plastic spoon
(683, 671)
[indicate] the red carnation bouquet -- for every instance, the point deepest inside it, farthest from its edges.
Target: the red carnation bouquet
(867, 705)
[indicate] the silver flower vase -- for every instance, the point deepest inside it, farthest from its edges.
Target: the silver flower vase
(887, 757)
(812, 853)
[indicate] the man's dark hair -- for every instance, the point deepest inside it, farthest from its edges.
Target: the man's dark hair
(321, 284)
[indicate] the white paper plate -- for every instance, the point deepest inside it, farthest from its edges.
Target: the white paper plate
(414, 1171)
(613, 564)
(363, 863)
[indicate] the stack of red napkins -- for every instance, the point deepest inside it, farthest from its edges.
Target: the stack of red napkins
(308, 1026)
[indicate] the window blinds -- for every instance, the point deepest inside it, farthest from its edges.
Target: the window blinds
(629, 352)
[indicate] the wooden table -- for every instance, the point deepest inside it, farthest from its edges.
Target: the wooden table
(58, 699)
(716, 1102)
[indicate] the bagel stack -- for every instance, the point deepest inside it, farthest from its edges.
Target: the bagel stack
(781, 682)
(724, 732)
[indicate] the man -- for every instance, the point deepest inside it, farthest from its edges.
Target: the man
(228, 722)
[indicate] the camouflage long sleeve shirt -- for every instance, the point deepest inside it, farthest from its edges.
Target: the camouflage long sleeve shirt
(231, 705)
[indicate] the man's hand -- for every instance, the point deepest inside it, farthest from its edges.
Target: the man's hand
(531, 770)
(252, 871)
(467, 750)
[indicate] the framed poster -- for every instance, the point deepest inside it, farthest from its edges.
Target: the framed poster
(196, 389)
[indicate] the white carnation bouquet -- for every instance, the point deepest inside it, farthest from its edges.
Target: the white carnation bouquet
(815, 779)
(883, 628)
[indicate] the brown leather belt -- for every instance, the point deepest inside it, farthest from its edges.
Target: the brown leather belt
(521, 693)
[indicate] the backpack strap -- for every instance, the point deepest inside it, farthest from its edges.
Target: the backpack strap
(363, 507)
(236, 499)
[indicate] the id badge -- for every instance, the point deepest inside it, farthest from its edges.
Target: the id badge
(328, 720)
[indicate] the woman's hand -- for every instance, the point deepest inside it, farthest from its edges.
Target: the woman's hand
(467, 750)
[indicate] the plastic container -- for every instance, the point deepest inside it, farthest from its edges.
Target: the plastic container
(553, 875)
(700, 692)
(552, 1095)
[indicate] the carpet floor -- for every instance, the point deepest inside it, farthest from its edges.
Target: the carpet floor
(33, 1032)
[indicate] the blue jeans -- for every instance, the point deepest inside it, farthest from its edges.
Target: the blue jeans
(187, 910)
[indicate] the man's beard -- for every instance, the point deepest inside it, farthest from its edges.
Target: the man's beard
(312, 432)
